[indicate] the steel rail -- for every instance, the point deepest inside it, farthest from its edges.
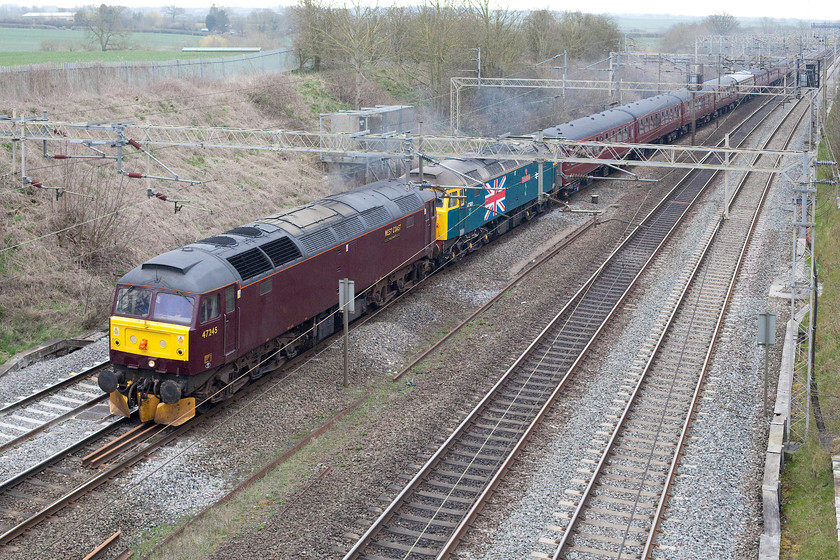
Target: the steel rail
(467, 521)
(672, 471)
(534, 266)
(102, 548)
(666, 329)
(56, 457)
(424, 471)
(53, 421)
(611, 442)
(53, 388)
(94, 482)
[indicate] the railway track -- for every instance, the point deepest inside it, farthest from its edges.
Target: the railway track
(29, 416)
(32, 495)
(620, 507)
(41, 491)
(431, 514)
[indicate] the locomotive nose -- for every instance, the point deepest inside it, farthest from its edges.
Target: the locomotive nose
(108, 381)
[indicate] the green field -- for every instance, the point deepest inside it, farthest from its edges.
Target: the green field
(650, 23)
(24, 58)
(37, 46)
(33, 40)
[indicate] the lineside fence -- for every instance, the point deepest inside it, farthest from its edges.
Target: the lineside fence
(22, 82)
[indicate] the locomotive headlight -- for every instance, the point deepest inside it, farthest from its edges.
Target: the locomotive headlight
(133, 339)
(163, 343)
(151, 363)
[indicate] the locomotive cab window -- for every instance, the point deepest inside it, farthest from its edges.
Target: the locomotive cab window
(133, 301)
(230, 299)
(175, 308)
(209, 308)
(455, 202)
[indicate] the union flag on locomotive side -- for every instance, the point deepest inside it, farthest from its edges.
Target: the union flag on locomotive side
(494, 200)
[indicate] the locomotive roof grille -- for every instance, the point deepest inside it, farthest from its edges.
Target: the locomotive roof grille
(376, 216)
(250, 263)
(220, 240)
(407, 204)
(246, 231)
(314, 243)
(281, 251)
(350, 228)
(338, 206)
(495, 168)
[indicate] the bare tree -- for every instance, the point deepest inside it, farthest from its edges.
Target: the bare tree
(437, 46)
(356, 35)
(173, 12)
(106, 25)
(265, 21)
(309, 20)
(721, 23)
(541, 38)
(496, 32)
(768, 25)
(680, 37)
(587, 35)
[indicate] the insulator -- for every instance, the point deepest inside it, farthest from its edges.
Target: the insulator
(135, 144)
(61, 156)
(826, 162)
(826, 182)
(37, 184)
(135, 175)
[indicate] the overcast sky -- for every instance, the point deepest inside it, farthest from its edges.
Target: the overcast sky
(826, 10)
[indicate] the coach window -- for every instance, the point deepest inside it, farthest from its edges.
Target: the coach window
(209, 308)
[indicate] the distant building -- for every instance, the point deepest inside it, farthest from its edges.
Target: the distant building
(50, 15)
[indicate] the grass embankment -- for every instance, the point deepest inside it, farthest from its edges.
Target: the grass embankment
(60, 258)
(808, 516)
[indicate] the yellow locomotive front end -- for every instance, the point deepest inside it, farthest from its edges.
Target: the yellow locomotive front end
(152, 343)
(150, 353)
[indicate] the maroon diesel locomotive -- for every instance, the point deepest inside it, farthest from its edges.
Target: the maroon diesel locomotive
(193, 325)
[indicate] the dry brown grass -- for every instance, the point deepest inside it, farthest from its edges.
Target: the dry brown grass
(57, 284)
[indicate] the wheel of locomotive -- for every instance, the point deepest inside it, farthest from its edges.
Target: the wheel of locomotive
(291, 349)
(377, 295)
